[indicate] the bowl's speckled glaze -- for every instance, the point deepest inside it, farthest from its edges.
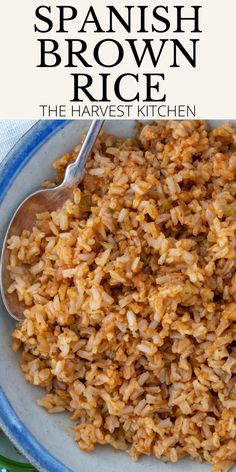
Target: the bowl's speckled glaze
(47, 440)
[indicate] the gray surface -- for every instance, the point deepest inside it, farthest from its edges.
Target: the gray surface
(8, 450)
(10, 132)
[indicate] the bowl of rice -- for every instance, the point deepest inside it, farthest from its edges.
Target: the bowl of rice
(126, 357)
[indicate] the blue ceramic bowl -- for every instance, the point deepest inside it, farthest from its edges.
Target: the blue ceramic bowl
(47, 440)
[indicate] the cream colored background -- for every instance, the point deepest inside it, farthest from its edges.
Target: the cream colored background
(211, 86)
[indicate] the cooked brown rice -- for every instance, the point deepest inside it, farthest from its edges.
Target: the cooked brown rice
(130, 293)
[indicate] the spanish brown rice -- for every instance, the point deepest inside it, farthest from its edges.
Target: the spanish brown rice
(130, 294)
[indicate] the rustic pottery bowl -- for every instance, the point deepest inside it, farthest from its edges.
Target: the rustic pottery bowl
(47, 440)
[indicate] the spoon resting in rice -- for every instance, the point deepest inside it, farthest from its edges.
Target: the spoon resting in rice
(40, 201)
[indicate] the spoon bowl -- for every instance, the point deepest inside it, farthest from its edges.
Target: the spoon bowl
(38, 202)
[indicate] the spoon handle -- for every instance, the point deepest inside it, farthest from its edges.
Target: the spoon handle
(75, 171)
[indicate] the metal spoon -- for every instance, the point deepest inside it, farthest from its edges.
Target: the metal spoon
(38, 202)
